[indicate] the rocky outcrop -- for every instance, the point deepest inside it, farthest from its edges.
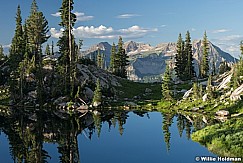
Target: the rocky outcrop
(222, 113)
(187, 94)
(236, 94)
(225, 82)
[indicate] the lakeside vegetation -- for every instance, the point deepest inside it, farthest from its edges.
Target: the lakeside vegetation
(223, 139)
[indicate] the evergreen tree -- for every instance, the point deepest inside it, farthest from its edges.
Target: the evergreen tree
(113, 65)
(37, 29)
(167, 84)
(200, 91)
(214, 67)
(195, 90)
(223, 67)
(236, 79)
(47, 51)
(189, 69)
(66, 45)
(205, 63)
(97, 93)
(99, 59)
(16, 56)
(52, 48)
(209, 88)
(179, 53)
(121, 59)
(16, 49)
(1, 53)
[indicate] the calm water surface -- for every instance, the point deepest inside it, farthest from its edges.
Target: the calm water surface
(123, 137)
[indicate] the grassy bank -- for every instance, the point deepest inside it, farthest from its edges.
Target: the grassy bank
(224, 139)
(141, 93)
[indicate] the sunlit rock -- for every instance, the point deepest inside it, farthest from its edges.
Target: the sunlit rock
(236, 94)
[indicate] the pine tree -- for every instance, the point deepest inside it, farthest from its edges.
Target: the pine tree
(99, 59)
(205, 63)
(66, 45)
(113, 65)
(179, 62)
(214, 67)
(195, 91)
(209, 88)
(167, 84)
(97, 94)
(103, 63)
(121, 59)
(1, 53)
(37, 29)
(47, 51)
(189, 69)
(16, 49)
(223, 67)
(200, 91)
(16, 56)
(236, 79)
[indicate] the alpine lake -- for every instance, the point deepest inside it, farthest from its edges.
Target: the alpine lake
(99, 136)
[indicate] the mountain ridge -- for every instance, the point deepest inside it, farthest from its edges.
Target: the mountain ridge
(146, 60)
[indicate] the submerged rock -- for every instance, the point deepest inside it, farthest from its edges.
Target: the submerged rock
(96, 103)
(148, 90)
(132, 104)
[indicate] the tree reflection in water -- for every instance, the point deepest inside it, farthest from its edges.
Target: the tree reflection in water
(27, 130)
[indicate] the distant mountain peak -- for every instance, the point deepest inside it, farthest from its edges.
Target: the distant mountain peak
(146, 60)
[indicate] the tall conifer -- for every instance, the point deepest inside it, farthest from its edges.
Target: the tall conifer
(16, 55)
(189, 69)
(16, 49)
(179, 68)
(113, 59)
(66, 45)
(37, 29)
(121, 59)
(167, 84)
(47, 51)
(205, 63)
(1, 53)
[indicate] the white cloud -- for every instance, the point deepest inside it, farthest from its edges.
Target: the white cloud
(220, 31)
(80, 16)
(127, 16)
(57, 14)
(193, 29)
(162, 26)
(106, 32)
(231, 38)
(230, 43)
(135, 32)
(233, 48)
(93, 32)
(55, 33)
(6, 46)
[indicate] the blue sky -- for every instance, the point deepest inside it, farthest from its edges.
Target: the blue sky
(148, 21)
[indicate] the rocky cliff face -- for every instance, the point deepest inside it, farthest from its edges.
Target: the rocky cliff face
(146, 60)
